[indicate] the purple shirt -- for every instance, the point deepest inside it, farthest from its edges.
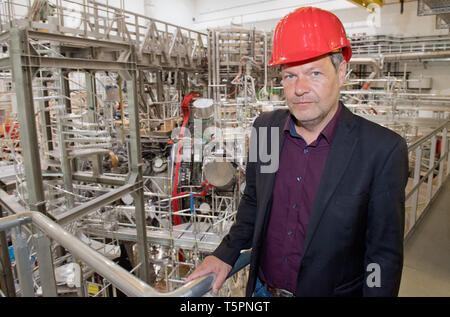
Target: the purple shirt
(295, 187)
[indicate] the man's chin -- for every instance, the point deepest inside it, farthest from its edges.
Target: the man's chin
(307, 120)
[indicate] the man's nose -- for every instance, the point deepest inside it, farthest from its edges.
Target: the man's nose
(301, 86)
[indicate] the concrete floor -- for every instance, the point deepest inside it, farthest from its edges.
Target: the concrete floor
(426, 270)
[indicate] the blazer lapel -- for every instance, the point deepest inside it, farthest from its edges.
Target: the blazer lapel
(337, 162)
(268, 179)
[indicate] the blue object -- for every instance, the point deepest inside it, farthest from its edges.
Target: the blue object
(192, 203)
(11, 253)
(13, 258)
(261, 290)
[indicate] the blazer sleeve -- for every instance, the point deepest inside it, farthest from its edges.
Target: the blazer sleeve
(385, 224)
(241, 233)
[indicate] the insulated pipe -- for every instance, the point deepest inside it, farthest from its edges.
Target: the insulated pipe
(378, 61)
(415, 55)
(374, 62)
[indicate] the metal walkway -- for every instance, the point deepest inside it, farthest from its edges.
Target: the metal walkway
(426, 269)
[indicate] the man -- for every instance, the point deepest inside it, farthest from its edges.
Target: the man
(330, 220)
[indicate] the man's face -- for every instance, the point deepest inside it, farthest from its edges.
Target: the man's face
(312, 89)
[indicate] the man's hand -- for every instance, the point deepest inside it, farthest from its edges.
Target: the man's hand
(211, 264)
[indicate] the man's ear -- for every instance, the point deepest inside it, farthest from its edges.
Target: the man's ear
(342, 72)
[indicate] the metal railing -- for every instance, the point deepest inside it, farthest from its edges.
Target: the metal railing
(430, 156)
(92, 20)
(86, 17)
(115, 274)
(383, 44)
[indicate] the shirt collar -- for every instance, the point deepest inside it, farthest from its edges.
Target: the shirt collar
(327, 132)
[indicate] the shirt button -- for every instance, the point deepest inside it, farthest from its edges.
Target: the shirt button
(305, 151)
(289, 233)
(285, 260)
(299, 178)
(294, 205)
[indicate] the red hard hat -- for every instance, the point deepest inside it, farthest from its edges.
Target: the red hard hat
(307, 33)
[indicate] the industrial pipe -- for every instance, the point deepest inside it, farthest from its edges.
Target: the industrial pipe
(415, 55)
(374, 62)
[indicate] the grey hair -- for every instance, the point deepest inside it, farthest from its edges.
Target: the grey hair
(336, 59)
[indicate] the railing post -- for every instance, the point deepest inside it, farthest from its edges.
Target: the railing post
(61, 15)
(6, 278)
(46, 271)
(91, 102)
(23, 81)
(443, 151)
(137, 30)
(9, 15)
(448, 159)
(431, 167)
(85, 18)
(23, 265)
(136, 167)
(415, 196)
(2, 7)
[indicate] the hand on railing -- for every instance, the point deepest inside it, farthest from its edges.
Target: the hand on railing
(212, 264)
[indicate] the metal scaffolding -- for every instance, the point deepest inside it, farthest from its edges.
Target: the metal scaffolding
(103, 141)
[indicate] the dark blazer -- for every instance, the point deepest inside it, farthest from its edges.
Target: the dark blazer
(357, 216)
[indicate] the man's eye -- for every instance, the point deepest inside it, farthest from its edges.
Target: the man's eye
(315, 74)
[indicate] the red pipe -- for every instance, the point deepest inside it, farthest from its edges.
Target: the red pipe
(185, 109)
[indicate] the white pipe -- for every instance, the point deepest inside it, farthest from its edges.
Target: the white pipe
(265, 60)
(374, 62)
(415, 55)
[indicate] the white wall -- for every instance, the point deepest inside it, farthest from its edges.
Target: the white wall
(265, 14)
(391, 22)
(133, 6)
(216, 13)
(178, 12)
(437, 70)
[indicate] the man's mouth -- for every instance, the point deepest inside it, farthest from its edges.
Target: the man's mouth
(302, 103)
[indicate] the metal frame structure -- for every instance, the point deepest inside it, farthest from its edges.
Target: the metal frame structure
(119, 277)
(443, 21)
(432, 7)
(21, 64)
(429, 160)
(382, 44)
(111, 86)
(43, 52)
